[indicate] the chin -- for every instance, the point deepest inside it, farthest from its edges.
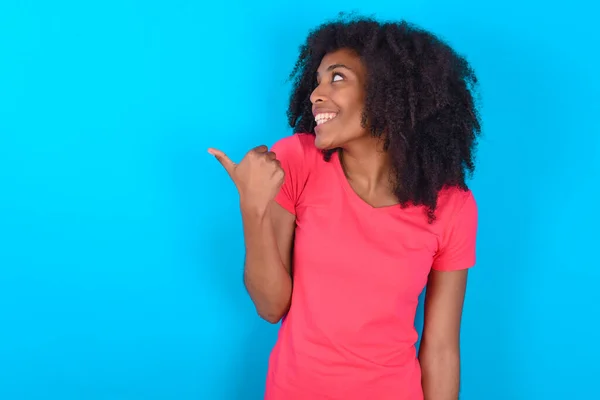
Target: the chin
(324, 141)
(322, 144)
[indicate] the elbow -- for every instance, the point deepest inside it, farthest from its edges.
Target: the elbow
(270, 318)
(273, 311)
(272, 315)
(440, 343)
(271, 306)
(439, 354)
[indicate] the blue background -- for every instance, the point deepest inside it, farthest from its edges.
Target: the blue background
(120, 238)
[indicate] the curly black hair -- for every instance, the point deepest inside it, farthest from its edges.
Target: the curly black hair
(419, 100)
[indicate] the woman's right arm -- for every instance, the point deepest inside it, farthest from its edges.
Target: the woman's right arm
(268, 226)
(268, 236)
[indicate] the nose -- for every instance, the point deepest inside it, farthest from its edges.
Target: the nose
(318, 95)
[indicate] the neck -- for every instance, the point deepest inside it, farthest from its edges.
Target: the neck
(367, 163)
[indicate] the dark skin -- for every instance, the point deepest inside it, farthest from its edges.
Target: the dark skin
(367, 168)
(269, 229)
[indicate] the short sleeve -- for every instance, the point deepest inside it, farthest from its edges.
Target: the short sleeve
(290, 153)
(457, 247)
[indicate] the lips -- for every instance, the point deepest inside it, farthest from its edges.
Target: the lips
(324, 117)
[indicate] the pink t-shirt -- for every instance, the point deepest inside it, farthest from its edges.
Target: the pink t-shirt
(358, 272)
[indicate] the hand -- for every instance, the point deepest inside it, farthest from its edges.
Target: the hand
(258, 177)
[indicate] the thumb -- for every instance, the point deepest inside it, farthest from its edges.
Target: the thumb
(224, 160)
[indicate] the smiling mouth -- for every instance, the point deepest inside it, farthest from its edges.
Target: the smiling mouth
(322, 118)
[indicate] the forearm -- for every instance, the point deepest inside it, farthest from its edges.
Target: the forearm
(266, 277)
(440, 370)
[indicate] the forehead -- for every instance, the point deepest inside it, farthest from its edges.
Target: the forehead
(341, 57)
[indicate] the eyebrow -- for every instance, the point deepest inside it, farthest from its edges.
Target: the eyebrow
(334, 66)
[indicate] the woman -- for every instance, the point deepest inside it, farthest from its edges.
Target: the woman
(346, 221)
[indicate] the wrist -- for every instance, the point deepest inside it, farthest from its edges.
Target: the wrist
(253, 209)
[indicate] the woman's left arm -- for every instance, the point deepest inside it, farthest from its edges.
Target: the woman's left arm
(439, 353)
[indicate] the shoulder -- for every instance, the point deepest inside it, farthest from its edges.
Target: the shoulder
(453, 201)
(297, 144)
(297, 150)
(457, 217)
(297, 155)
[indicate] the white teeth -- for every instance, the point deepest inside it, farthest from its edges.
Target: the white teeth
(324, 117)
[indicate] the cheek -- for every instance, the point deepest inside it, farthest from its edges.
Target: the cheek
(355, 110)
(355, 104)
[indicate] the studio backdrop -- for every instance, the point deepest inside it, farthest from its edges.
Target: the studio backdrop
(121, 248)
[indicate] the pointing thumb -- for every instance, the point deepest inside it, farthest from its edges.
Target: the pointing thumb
(224, 160)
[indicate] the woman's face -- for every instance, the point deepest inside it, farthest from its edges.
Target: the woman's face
(338, 100)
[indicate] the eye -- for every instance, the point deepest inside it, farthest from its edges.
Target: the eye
(337, 77)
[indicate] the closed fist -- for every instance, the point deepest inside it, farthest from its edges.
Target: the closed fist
(258, 177)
